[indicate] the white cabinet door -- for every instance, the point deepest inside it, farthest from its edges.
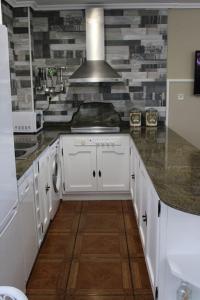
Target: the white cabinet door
(138, 189)
(143, 218)
(44, 190)
(28, 222)
(152, 243)
(113, 167)
(132, 174)
(79, 167)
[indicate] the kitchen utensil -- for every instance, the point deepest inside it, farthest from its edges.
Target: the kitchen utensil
(46, 88)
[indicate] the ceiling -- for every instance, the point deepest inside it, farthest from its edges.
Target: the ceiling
(77, 4)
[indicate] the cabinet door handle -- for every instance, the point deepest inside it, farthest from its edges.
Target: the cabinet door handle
(99, 173)
(133, 176)
(94, 173)
(47, 188)
(144, 218)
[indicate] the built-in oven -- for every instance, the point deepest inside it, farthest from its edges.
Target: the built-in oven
(27, 121)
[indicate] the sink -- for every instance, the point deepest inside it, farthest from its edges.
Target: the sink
(24, 145)
(19, 153)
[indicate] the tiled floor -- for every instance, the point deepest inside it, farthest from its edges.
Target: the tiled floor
(92, 251)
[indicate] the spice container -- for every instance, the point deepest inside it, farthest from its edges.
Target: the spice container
(151, 117)
(135, 118)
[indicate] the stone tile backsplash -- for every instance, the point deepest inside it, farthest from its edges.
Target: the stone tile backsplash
(135, 46)
(17, 22)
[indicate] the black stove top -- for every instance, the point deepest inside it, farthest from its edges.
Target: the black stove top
(96, 117)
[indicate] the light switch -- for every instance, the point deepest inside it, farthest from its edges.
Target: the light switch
(180, 97)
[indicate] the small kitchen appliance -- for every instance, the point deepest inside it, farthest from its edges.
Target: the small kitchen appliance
(151, 117)
(27, 121)
(135, 118)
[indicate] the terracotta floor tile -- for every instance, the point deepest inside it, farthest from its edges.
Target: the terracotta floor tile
(101, 223)
(144, 297)
(127, 206)
(57, 245)
(99, 277)
(104, 206)
(48, 277)
(99, 297)
(141, 283)
(64, 223)
(46, 297)
(67, 207)
(134, 244)
(130, 222)
(101, 244)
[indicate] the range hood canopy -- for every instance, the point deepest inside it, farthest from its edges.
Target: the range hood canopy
(95, 68)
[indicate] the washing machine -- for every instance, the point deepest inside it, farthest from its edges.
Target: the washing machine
(55, 178)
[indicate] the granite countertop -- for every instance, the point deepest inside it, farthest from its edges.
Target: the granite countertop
(42, 140)
(172, 163)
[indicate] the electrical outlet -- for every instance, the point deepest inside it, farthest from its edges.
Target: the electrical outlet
(180, 97)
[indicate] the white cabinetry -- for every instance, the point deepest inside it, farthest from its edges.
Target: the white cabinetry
(147, 209)
(152, 234)
(42, 194)
(95, 163)
(28, 220)
(79, 166)
(113, 167)
(142, 206)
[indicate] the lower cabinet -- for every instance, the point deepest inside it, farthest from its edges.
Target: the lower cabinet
(147, 209)
(42, 194)
(95, 163)
(152, 235)
(28, 221)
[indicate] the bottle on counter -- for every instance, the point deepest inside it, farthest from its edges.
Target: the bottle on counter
(184, 291)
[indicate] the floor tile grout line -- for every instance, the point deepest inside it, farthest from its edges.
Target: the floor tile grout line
(73, 248)
(129, 257)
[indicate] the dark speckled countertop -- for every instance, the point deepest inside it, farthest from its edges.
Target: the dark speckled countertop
(172, 163)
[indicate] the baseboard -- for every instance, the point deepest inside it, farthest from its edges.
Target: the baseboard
(96, 196)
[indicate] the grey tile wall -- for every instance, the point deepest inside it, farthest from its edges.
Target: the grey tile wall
(7, 13)
(16, 21)
(135, 45)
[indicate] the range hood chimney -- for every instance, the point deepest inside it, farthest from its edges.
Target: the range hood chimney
(95, 68)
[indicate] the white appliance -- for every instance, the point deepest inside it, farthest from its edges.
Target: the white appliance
(11, 257)
(55, 178)
(27, 121)
(9, 292)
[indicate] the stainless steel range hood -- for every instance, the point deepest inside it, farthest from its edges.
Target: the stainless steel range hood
(95, 68)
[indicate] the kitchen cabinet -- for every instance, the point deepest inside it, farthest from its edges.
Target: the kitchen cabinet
(42, 194)
(79, 166)
(113, 167)
(28, 220)
(142, 206)
(152, 234)
(147, 209)
(135, 185)
(95, 163)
